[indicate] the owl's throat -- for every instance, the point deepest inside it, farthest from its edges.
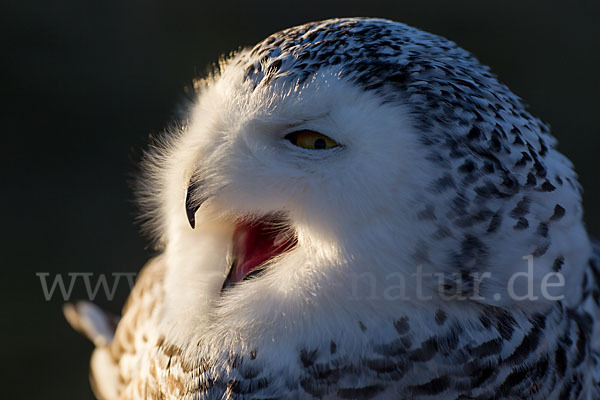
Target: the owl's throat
(255, 243)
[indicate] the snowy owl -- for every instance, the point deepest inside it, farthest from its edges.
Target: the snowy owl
(356, 209)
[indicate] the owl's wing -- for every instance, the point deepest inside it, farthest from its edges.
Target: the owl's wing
(120, 349)
(99, 327)
(137, 333)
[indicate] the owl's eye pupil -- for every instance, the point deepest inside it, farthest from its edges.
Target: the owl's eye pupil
(320, 143)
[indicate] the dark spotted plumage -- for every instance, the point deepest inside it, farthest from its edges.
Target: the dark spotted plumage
(516, 357)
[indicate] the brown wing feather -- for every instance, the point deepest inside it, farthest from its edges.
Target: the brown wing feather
(117, 367)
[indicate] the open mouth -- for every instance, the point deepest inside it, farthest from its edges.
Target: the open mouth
(256, 243)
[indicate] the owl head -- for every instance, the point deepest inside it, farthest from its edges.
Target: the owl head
(355, 166)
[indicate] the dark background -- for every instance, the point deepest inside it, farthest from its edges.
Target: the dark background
(85, 83)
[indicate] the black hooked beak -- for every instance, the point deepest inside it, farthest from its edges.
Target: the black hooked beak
(192, 205)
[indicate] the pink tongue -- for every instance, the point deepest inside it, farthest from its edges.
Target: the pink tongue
(255, 243)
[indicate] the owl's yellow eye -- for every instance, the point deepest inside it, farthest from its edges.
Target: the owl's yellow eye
(311, 140)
